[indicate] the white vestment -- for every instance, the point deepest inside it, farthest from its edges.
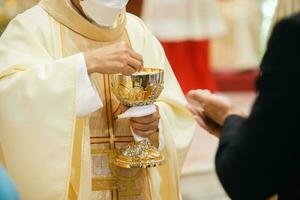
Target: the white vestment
(43, 144)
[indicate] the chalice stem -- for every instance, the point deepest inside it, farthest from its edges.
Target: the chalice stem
(139, 92)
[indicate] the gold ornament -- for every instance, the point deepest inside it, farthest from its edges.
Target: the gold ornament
(139, 155)
(139, 89)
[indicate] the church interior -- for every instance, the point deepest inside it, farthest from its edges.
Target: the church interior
(221, 53)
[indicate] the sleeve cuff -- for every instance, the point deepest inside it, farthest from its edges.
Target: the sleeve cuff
(231, 125)
(88, 100)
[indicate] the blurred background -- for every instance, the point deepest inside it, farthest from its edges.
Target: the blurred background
(210, 44)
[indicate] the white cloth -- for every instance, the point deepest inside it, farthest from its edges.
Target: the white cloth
(88, 100)
(177, 20)
(141, 111)
(138, 111)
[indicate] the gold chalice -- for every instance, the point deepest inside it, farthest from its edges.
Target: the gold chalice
(138, 90)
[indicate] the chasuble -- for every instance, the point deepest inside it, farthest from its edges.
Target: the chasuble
(51, 153)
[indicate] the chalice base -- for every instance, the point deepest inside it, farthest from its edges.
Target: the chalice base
(139, 155)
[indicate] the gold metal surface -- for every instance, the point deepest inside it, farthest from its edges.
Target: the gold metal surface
(142, 88)
(139, 155)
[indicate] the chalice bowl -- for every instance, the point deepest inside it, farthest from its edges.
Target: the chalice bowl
(138, 92)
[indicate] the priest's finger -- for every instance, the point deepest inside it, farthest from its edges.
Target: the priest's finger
(121, 109)
(144, 134)
(138, 57)
(135, 64)
(128, 71)
(145, 127)
(147, 119)
(135, 55)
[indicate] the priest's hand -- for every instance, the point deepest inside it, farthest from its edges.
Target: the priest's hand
(211, 110)
(112, 59)
(146, 126)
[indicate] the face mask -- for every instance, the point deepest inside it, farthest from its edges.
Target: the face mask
(103, 12)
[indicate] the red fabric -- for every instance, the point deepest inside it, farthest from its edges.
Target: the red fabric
(237, 81)
(190, 63)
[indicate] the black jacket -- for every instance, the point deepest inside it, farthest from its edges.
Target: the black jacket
(260, 156)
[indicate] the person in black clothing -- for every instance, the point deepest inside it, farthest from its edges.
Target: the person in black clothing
(259, 155)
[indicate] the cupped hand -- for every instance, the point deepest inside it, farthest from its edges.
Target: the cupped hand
(213, 106)
(210, 110)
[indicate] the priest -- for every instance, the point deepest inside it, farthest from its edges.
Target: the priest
(58, 131)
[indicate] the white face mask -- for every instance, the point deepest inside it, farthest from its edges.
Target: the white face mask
(103, 12)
